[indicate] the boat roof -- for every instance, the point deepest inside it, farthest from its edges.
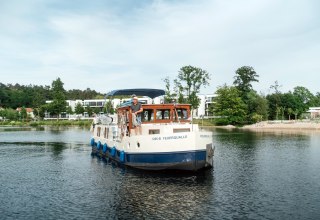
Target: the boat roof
(152, 93)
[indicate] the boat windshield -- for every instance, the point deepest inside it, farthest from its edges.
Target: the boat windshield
(155, 113)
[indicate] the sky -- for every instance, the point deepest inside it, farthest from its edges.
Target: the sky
(112, 44)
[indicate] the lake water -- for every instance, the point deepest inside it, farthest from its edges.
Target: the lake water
(49, 173)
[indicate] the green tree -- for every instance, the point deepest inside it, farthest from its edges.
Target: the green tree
(229, 106)
(276, 87)
(69, 110)
(243, 79)
(79, 109)
(23, 113)
(3, 95)
(296, 112)
(304, 98)
(317, 99)
(189, 82)
(10, 114)
(290, 112)
(282, 110)
(275, 101)
(179, 91)
(58, 105)
(257, 107)
(278, 111)
(108, 108)
(96, 110)
(168, 95)
(89, 110)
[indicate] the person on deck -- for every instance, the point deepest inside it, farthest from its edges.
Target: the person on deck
(136, 110)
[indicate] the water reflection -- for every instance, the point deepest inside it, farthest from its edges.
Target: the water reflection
(148, 196)
(57, 148)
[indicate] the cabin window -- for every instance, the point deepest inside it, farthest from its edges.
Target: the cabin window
(154, 131)
(147, 115)
(182, 114)
(163, 114)
(179, 130)
(98, 131)
(105, 133)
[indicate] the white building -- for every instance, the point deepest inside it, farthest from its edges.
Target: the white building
(314, 112)
(206, 103)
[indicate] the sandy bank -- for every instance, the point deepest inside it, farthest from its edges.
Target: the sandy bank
(281, 125)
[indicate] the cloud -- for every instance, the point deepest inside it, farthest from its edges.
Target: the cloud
(109, 45)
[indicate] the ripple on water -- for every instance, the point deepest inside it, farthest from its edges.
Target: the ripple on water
(51, 175)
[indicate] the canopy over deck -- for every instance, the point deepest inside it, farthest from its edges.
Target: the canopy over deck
(152, 93)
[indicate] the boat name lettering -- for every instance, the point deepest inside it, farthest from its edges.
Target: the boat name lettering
(205, 136)
(169, 137)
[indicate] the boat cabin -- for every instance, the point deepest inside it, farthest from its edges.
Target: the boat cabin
(155, 114)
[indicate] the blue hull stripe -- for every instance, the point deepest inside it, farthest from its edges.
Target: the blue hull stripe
(172, 157)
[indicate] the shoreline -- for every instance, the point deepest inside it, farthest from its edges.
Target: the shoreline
(44, 123)
(278, 127)
(260, 126)
(284, 125)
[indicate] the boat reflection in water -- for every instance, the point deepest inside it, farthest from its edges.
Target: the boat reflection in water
(166, 196)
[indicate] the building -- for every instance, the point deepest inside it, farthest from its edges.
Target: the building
(205, 106)
(29, 111)
(314, 112)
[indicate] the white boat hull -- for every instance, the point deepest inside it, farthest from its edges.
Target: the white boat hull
(190, 151)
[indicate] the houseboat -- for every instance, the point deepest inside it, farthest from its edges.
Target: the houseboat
(167, 138)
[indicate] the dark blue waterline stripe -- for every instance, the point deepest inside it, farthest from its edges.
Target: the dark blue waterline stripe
(168, 157)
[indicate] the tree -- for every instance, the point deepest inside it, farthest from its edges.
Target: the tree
(282, 110)
(9, 114)
(79, 109)
(69, 110)
(276, 87)
(317, 99)
(278, 111)
(245, 75)
(275, 101)
(109, 107)
(168, 95)
(57, 87)
(179, 91)
(3, 95)
(304, 97)
(189, 82)
(96, 110)
(229, 106)
(59, 103)
(89, 110)
(290, 112)
(257, 107)
(23, 113)
(296, 112)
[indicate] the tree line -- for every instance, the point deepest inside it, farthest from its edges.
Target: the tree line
(240, 104)
(34, 96)
(237, 104)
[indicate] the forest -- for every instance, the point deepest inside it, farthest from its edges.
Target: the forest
(33, 96)
(240, 104)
